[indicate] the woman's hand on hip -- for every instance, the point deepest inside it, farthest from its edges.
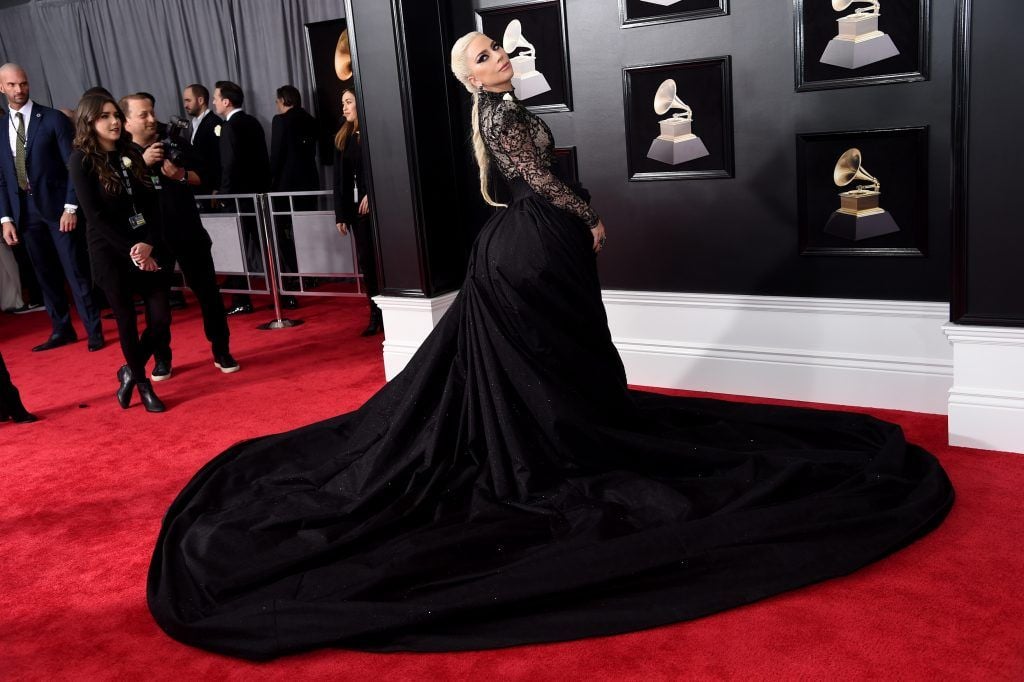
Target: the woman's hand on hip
(600, 237)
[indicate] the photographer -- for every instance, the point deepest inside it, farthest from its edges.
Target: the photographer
(183, 229)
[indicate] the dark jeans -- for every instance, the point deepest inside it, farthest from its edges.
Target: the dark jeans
(196, 262)
(54, 256)
(366, 254)
(154, 290)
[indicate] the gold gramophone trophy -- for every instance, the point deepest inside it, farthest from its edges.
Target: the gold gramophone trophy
(858, 41)
(677, 143)
(527, 81)
(859, 215)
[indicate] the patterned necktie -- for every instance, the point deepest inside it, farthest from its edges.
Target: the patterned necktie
(19, 153)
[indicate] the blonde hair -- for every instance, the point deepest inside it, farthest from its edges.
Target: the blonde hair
(461, 68)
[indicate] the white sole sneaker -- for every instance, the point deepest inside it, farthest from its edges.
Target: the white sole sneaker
(227, 370)
(159, 377)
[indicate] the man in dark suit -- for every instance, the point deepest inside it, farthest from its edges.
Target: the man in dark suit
(183, 232)
(38, 201)
(205, 142)
(244, 169)
(293, 140)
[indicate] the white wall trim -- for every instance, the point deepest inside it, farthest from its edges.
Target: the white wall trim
(407, 322)
(889, 354)
(986, 403)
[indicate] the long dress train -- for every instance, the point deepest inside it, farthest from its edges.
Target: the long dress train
(508, 488)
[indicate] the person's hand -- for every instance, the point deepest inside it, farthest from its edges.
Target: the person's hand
(599, 236)
(154, 154)
(364, 205)
(148, 265)
(342, 229)
(10, 234)
(68, 221)
(141, 251)
(172, 171)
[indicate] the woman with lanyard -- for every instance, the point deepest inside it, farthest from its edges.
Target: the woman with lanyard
(119, 199)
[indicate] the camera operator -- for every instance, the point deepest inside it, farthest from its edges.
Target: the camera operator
(182, 225)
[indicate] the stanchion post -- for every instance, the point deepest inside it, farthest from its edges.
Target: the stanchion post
(263, 218)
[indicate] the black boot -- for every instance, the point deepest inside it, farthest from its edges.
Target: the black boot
(124, 391)
(11, 407)
(376, 324)
(148, 397)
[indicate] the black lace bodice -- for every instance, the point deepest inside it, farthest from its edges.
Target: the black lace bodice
(522, 147)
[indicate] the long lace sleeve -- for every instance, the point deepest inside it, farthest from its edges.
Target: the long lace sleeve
(509, 134)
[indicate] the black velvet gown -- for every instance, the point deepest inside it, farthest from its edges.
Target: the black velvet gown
(508, 488)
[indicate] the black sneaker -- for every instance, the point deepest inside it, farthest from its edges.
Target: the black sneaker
(225, 363)
(27, 308)
(161, 371)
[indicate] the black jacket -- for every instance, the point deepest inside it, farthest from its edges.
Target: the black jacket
(206, 145)
(244, 162)
(293, 141)
(349, 180)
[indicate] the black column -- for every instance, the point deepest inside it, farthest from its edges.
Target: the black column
(415, 123)
(988, 146)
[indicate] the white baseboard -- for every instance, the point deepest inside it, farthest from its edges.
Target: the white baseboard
(986, 403)
(407, 322)
(889, 354)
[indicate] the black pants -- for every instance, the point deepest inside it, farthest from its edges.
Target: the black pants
(196, 262)
(10, 400)
(366, 254)
(55, 256)
(154, 290)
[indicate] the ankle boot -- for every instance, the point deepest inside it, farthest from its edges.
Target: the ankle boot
(11, 407)
(124, 391)
(148, 397)
(376, 324)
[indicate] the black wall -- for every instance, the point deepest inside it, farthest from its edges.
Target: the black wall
(740, 235)
(989, 272)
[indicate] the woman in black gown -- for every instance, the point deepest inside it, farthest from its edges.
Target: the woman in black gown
(507, 487)
(125, 251)
(352, 203)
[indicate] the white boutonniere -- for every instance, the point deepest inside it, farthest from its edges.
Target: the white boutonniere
(126, 162)
(507, 97)
(216, 131)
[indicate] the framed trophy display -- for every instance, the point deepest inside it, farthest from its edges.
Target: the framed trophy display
(846, 43)
(331, 65)
(679, 120)
(535, 38)
(646, 12)
(863, 193)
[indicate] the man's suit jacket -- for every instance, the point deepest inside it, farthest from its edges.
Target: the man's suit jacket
(244, 162)
(47, 148)
(293, 142)
(206, 145)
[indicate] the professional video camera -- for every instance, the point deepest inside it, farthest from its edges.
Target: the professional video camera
(178, 138)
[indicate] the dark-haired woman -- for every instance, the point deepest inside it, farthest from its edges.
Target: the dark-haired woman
(120, 203)
(352, 203)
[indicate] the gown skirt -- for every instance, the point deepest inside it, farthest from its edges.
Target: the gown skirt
(508, 488)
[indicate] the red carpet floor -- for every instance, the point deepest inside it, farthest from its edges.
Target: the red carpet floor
(82, 493)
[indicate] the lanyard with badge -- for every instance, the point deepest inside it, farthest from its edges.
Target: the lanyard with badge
(137, 220)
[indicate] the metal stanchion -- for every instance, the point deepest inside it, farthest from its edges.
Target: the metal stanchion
(263, 221)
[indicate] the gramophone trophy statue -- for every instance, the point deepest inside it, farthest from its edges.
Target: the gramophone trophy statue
(677, 143)
(859, 215)
(858, 42)
(526, 79)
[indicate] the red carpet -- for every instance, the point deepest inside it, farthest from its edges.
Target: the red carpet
(83, 491)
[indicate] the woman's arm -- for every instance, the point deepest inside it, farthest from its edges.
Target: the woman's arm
(510, 135)
(98, 205)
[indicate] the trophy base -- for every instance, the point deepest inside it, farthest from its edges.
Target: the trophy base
(677, 150)
(530, 84)
(867, 224)
(864, 50)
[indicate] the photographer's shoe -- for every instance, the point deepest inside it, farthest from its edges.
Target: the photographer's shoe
(161, 371)
(225, 363)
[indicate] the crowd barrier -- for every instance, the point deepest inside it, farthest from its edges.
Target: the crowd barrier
(283, 243)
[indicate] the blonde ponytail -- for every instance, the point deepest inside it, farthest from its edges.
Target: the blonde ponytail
(460, 67)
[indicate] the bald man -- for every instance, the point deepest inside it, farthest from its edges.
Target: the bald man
(38, 206)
